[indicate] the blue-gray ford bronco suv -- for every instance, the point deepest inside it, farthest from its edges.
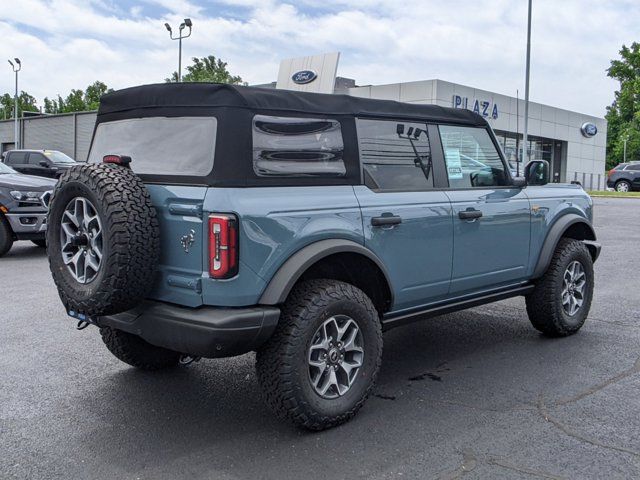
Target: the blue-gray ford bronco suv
(214, 220)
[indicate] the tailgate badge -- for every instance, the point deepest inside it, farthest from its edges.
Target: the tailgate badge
(187, 240)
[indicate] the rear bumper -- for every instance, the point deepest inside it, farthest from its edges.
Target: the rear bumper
(206, 331)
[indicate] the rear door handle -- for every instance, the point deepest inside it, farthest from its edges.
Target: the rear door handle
(469, 214)
(386, 220)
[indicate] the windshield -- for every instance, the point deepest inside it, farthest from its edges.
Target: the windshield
(58, 157)
(6, 169)
(159, 145)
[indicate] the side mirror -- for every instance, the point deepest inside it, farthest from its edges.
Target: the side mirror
(43, 163)
(536, 172)
(519, 182)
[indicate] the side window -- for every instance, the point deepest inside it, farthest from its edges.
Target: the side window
(17, 158)
(472, 158)
(634, 166)
(395, 155)
(36, 158)
(297, 147)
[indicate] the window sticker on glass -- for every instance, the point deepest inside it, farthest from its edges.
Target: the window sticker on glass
(454, 165)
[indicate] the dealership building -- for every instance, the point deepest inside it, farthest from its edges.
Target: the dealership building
(574, 144)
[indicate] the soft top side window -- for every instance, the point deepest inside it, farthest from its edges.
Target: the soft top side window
(472, 158)
(297, 147)
(395, 155)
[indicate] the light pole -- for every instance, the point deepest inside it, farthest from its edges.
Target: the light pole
(624, 148)
(526, 88)
(16, 68)
(188, 24)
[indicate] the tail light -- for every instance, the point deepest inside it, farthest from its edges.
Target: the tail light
(611, 172)
(223, 245)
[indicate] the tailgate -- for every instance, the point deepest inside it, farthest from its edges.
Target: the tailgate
(179, 274)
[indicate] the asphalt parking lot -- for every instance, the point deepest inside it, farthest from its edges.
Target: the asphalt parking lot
(475, 394)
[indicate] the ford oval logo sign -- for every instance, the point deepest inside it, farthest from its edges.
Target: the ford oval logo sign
(304, 76)
(589, 129)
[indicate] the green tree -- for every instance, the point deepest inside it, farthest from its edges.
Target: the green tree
(78, 100)
(26, 103)
(623, 116)
(207, 69)
(93, 93)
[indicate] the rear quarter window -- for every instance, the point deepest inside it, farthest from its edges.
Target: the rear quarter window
(159, 145)
(297, 147)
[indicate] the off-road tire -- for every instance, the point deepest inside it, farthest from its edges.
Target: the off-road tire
(42, 243)
(133, 350)
(131, 239)
(544, 304)
(6, 236)
(621, 182)
(282, 367)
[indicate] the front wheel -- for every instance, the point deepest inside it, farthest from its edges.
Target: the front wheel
(320, 365)
(6, 236)
(561, 300)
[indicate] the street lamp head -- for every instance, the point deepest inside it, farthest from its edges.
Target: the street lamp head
(188, 23)
(168, 27)
(10, 62)
(17, 61)
(182, 25)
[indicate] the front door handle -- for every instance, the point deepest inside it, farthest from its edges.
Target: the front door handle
(386, 220)
(469, 214)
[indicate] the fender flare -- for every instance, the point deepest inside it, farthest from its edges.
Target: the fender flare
(290, 271)
(553, 238)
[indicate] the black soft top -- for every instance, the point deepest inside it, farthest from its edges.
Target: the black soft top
(183, 97)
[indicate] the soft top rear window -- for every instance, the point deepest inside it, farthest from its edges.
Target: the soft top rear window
(159, 145)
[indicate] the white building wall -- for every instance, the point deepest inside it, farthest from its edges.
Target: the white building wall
(584, 157)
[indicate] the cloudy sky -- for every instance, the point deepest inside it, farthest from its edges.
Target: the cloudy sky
(68, 44)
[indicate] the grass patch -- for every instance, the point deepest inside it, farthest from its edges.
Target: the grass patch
(597, 193)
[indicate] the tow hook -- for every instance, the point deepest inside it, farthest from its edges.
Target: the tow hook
(187, 359)
(83, 320)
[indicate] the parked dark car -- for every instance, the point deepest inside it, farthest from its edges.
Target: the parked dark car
(42, 163)
(24, 201)
(625, 177)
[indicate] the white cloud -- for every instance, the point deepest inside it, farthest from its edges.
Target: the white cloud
(68, 44)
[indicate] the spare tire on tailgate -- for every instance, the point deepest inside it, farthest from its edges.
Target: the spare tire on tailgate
(103, 239)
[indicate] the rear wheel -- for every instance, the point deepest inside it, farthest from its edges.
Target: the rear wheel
(560, 303)
(6, 236)
(133, 350)
(320, 365)
(623, 186)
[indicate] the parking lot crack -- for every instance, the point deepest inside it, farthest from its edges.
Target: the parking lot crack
(469, 463)
(528, 471)
(566, 429)
(602, 385)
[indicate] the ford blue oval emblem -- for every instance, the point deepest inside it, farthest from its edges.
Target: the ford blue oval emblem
(589, 129)
(304, 76)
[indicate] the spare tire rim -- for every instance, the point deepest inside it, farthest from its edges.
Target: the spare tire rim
(81, 239)
(335, 356)
(573, 288)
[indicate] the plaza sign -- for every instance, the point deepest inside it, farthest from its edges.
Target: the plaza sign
(481, 107)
